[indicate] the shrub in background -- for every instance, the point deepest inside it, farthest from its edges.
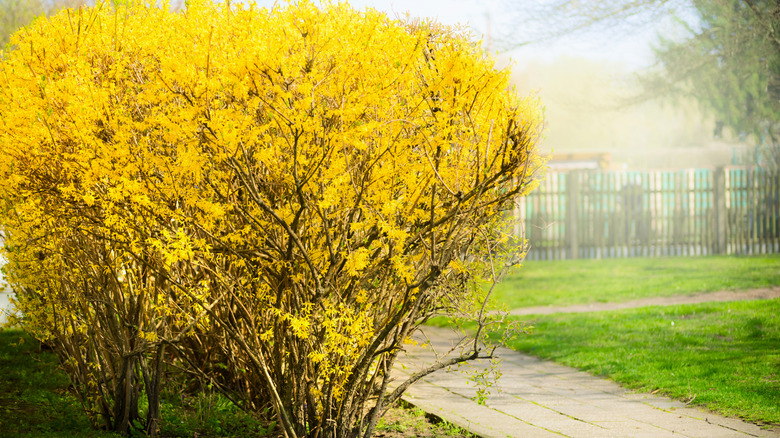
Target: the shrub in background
(277, 197)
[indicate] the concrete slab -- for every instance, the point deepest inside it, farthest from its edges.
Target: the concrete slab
(535, 398)
(463, 412)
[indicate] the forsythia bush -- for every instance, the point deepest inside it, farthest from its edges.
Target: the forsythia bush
(275, 199)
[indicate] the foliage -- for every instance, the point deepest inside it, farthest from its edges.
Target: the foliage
(727, 58)
(485, 380)
(720, 355)
(585, 108)
(35, 402)
(273, 199)
(730, 63)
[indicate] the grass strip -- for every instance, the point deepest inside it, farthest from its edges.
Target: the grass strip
(34, 397)
(35, 401)
(568, 282)
(724, 356)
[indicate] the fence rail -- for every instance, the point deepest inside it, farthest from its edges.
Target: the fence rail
(602, 214)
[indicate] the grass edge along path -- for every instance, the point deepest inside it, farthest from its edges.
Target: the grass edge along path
(704, 297)
(722, 356)
(585, 281)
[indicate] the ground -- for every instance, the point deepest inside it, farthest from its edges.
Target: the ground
(706, 297)
(406, 421)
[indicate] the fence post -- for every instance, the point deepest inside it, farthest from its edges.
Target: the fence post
(719, 205)
(572, 214)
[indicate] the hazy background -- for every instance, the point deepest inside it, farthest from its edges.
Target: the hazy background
(583, 79)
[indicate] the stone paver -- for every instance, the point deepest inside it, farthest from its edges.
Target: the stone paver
(536, 398)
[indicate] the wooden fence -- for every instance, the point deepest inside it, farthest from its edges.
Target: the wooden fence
(601, 214)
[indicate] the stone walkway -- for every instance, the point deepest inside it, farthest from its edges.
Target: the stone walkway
(537, 398)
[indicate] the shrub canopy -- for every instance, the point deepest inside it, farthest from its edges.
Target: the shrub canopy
(280, 196)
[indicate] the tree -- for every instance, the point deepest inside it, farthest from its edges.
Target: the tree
(276, 199)
(730, 63)
(727, 60)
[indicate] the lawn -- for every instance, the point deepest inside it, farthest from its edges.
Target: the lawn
(725, 356)
(567, 282)
(34, 397)
(35, 401)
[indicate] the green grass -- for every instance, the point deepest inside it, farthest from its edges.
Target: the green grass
(725, 356)
(35, 401)
(34, 397)
(567, 282)
(406, 420)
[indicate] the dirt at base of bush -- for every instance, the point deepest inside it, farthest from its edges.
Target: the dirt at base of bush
(407, 421)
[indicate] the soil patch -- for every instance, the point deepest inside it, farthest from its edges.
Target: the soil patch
(406, 421)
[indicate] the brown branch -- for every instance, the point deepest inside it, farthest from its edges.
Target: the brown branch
(398, 392)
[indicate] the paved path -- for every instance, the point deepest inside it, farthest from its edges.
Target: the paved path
(537, 398)
(753, 294)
